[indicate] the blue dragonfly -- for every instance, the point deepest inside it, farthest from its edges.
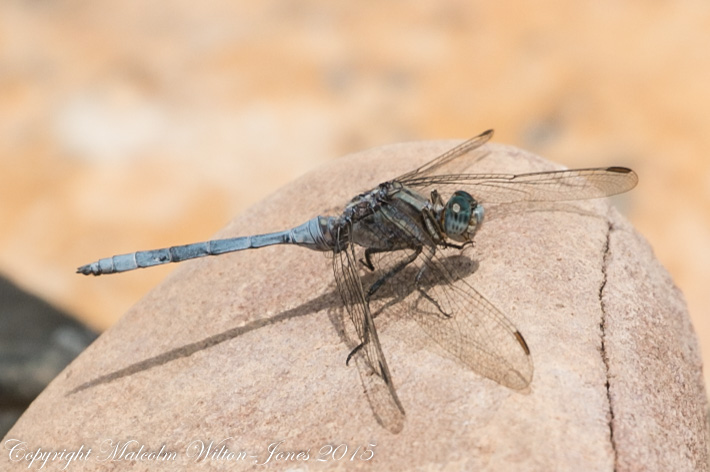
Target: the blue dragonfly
(388, 247)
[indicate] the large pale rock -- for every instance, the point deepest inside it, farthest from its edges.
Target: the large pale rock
(244, 350)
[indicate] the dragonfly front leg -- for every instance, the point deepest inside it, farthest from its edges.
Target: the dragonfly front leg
(436, 199)
(458, 246)
(435, 230)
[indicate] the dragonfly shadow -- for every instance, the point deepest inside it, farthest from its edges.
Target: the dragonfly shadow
(325, 301)
(385, 302)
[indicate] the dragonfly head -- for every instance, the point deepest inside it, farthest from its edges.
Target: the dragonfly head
(461, 217)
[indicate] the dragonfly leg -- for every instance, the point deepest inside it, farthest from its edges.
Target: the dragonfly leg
(391, 273)
(434, 302)
(417, 281)
(436, 198)
(432, 226)
(374, 287)
(458, 246)
(368, 262)
(354, 351)
(383, 371)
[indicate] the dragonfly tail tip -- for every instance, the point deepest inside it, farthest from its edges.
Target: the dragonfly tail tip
(86, 270)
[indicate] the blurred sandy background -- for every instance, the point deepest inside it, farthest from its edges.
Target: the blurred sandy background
(134, 125)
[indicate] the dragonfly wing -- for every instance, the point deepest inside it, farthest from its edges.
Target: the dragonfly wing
(370, 359)
(461, 156)
(468, 326)
(549, 186)
(430, 290)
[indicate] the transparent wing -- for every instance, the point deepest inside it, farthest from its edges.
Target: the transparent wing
(375, 374)
(455, 156)
(430, 290)
(468, 326)
(549, 186)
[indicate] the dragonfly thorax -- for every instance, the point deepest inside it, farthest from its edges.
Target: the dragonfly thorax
(461, 216)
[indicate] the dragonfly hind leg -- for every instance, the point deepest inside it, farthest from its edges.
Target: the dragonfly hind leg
(433, 302)
(367, 262)
(376, 286)
(422, 292)
(391, 273)
(354, 351)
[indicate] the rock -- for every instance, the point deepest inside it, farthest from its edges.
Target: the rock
(243, 352)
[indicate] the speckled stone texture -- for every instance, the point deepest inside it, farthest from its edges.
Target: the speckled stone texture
(244, 350)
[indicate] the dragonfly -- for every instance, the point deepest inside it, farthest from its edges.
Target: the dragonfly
(389, 249)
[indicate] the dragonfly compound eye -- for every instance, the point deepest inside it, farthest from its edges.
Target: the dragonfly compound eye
(461, 216)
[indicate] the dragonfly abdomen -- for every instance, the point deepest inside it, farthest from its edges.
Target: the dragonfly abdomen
(313, 234)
